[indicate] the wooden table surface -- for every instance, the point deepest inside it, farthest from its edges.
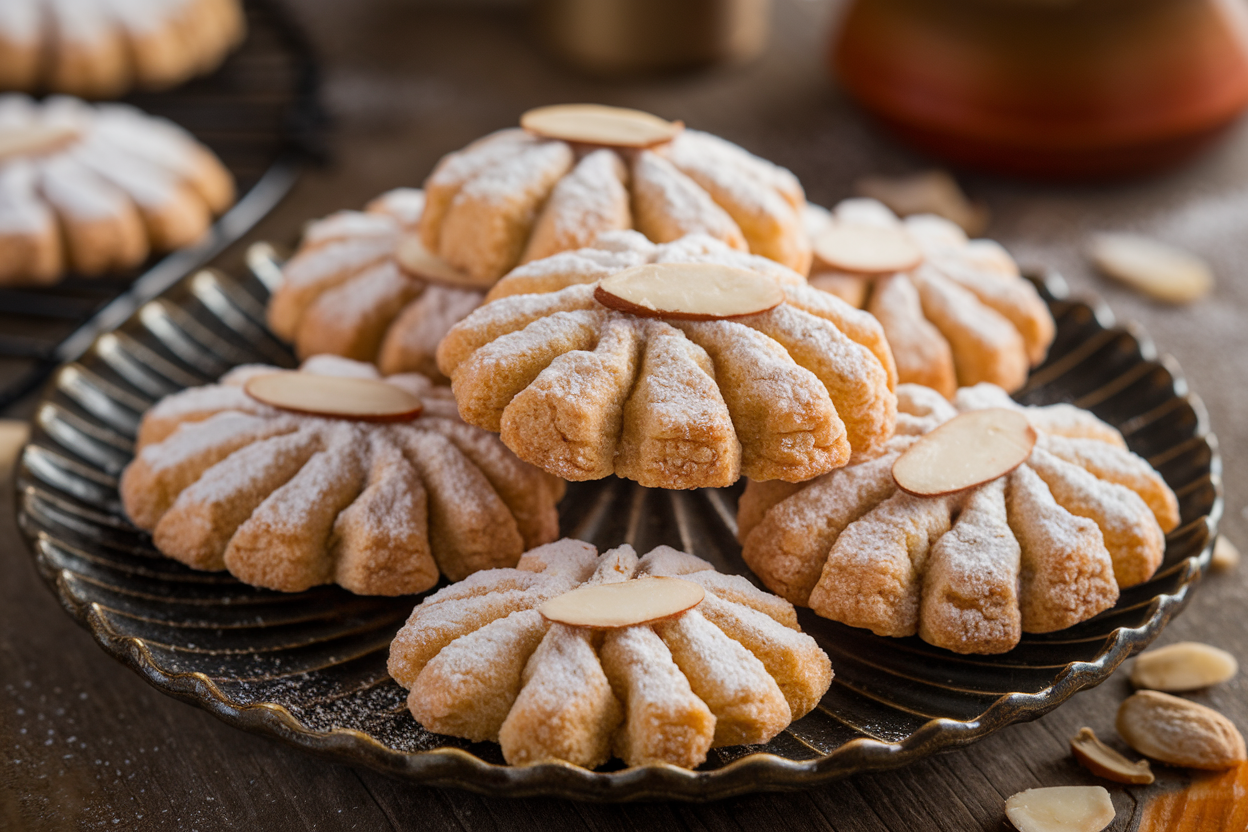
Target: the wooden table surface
(86, 744)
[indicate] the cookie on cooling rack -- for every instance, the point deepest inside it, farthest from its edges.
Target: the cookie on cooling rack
(984, 520)
(578, 657)
(678, 365)
(332, 474)
(92, 189)
(102, 48)
(956, 311)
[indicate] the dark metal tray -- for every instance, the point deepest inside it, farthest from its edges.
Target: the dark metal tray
(309, 669)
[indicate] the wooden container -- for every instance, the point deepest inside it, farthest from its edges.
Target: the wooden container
(1057, 89)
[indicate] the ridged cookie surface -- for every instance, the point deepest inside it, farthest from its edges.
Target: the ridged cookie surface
(481, 662)
(1040, 549)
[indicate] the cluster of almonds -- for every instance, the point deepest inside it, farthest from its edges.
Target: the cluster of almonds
(1160, 726)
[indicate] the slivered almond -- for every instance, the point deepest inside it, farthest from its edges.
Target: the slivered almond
(623, 604)
(1179, 732)
(968, 450)
(598, 124)
(1162, 271)
(334, 397)
(859, 248)
(1186, 665)
(1061, 809)
(688, 291)
(1103, 761)
(412, 257)
(1225, 555)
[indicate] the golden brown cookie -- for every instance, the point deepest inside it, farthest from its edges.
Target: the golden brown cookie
(584, 390)
(347, 292)
(511, 656)
(102, 48)
(95, 188)
(288, 499)
(956, 313)
(1038, 548)
(520, 195)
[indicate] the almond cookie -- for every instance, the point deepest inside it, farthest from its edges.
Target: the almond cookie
(102, 48)
(671, 397)
(983, 520)
(578, 657)
(96, 188)
(330, 475)
(580, 170)
(956, 311)
(348, 290)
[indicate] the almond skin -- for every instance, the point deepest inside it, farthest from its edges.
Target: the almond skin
(1179, 732)
(1103, 761)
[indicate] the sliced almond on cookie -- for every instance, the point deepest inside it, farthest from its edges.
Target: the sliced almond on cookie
(968, 450)
(1187, 665)
(1179, 731)
(334, 397)
(412, 257)
(623, 604)
(1165, 272)
(1061, 809)
(1103, 761)
(599, 124)
(688, 291)
(867, 249)
(34, 138)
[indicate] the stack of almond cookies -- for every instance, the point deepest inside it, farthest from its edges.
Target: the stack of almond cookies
(615, 295)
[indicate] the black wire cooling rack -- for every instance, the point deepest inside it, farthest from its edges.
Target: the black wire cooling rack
(261, 114)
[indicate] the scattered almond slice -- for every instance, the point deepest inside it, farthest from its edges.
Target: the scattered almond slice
(623, 604)
(1187, 665)
(598, 124)
(968, 450)
(334, 397)
(688, 291)
(867, 249)
(1103, 761)
(412, 256)
(1179, 731)
(1225, 555)
(1162, 271)
(929, 192)
(1061, 809)
(31, 139)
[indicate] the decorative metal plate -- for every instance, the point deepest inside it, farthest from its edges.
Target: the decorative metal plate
(309, 668)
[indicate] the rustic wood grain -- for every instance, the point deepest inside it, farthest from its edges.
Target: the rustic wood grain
(86, 744)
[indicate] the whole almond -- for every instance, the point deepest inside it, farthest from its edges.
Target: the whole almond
(1187, 665)
(1061, 809)
(1103, 761)
(1179, 732)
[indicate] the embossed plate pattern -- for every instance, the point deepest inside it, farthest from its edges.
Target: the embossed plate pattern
(309, 668)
